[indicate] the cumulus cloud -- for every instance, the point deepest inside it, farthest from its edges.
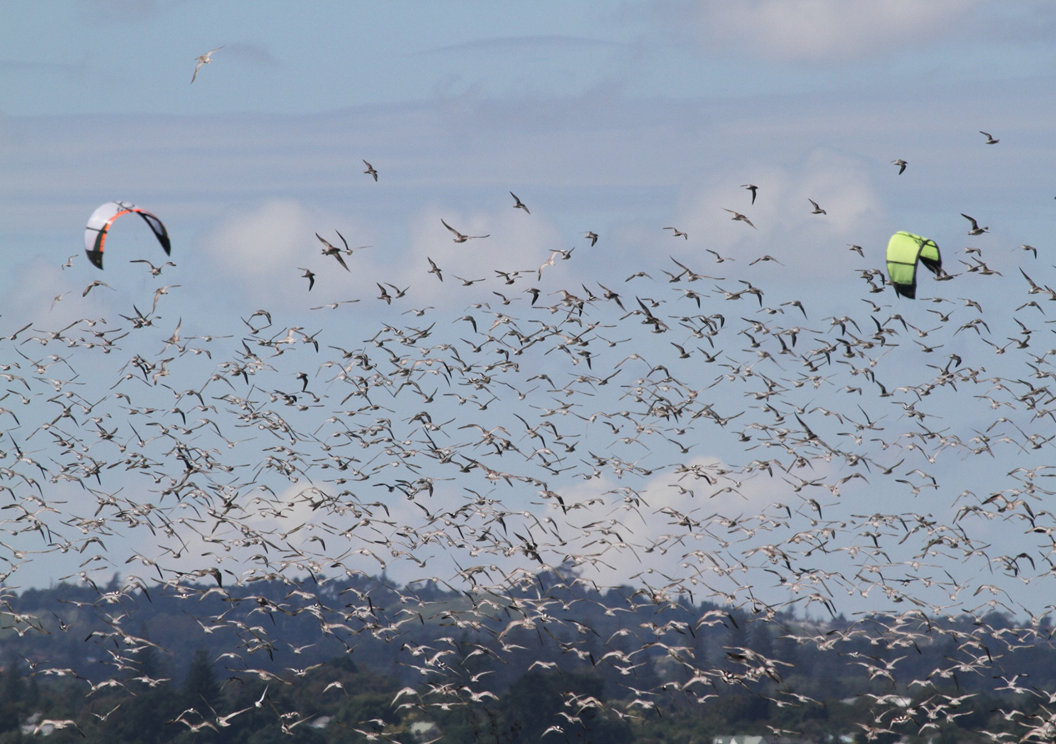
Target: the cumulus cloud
(665, 526)
(785, 226)
(267, 245)
(516, 243)
(286, 517)
(261, 250)
(264, 240)
(51, 298)
(38, 293)
(825, 30)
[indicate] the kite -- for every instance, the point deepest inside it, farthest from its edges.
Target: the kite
(904, 252)
(101, 220)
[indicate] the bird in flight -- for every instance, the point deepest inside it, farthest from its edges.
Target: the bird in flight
(459, 237)
(204, 60)
(676, 232)
(989, 138)
(751, 187)
(333, 250)
(976, 230)
(519, 204)
(901, 165)
(738, 217)
(592, 237)
(817, 209)
(310, 275)
(370, 170)
(93, 285)
(467, 282)
(154, 270)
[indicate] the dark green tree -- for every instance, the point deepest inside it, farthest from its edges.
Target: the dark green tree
(532, 704)
(12, 693)
(201, 690)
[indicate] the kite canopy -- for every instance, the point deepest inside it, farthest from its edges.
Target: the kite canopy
(99, 224)
(904, 252)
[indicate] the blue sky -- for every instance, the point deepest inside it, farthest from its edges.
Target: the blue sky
(621, 118)
(126, 56)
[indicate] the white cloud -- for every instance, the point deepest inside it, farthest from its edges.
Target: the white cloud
(785, 226)
(265, 240)
(261, 251)
(516, 242)
(826, 30)
(267, 247)
(650, 519)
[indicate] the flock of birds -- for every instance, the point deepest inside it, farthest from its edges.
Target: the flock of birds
(693, 436)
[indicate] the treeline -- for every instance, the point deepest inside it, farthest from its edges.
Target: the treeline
(249, 663)
(339, 702)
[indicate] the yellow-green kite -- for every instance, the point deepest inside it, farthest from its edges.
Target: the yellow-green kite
(904, 252)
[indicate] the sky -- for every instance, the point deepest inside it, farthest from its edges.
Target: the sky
(618, 118)
(122, 57)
